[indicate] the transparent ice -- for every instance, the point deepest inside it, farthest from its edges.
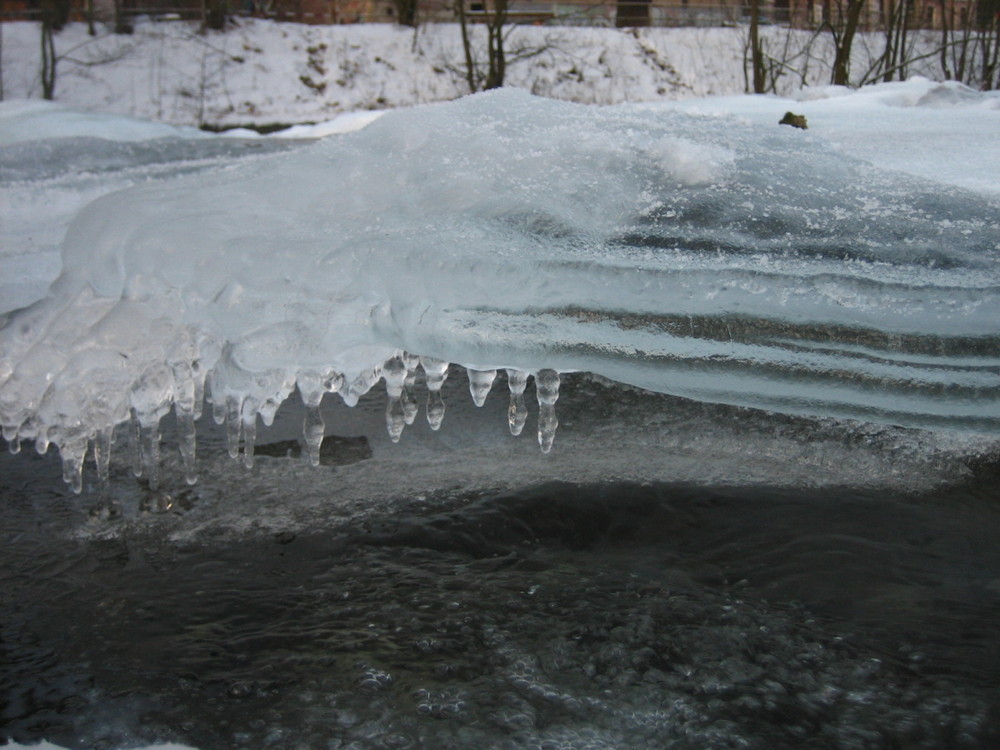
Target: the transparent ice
(691, 255)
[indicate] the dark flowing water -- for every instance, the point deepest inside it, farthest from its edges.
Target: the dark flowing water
(519, 601)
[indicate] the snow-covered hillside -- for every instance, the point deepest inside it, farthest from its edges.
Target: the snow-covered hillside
(262, 72)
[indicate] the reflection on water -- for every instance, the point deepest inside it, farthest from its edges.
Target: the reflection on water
(546, 614)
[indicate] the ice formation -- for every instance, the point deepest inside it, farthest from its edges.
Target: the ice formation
(691, 255)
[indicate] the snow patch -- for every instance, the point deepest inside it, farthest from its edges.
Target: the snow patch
(32, 120)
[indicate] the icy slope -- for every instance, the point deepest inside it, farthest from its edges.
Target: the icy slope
(691, 255)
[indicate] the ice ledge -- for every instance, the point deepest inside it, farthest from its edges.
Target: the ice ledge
(681, 254)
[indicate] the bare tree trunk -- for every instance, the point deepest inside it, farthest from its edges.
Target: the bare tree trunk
(945, 42)
(406, 12)
(470, 62)
(48, 60)
(496, 56)
(963, 55)
(495, 21)
(897, 24)
(842, 60)
(122, 23)
(54, 14)
(89, 13)
(902, 53)
(756, 53)
(214, 14)
(989, 43)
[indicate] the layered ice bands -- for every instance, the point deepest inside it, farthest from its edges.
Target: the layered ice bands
(692, 255)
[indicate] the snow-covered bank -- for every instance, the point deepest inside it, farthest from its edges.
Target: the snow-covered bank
(262, 72)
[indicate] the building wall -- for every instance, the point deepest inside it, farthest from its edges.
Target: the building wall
(800, 13)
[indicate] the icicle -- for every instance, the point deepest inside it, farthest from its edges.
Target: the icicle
(150, 449)
(394, 375)
(42, 443)
(313, 426)
(313, 430)
(435, 410)
(150, 397)
(9, 431)
(186, 401)
(102, 458)
(435, 373)
(72, 463)
(187, 443)
(278, 386)
(412, 361)
(333, 381)
(135, 443)
(360, 385)
(13, 438)
(234, 423)
(249, 418)
(480, 383)
(198, 376)
(183, 386)
(395, 418)
(410, 408)
(218, 410)
(407, 398)
(517, 412)
(313, 385)
(547, 391)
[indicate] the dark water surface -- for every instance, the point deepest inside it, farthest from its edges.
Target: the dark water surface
(559, 613)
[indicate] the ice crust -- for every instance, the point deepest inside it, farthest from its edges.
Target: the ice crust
(691, 255)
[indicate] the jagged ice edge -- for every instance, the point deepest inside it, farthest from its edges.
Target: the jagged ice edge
(186, 386)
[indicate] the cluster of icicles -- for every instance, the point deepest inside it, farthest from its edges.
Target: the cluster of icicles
(239, 413)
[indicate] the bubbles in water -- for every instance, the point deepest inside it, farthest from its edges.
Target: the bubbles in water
(374, 680)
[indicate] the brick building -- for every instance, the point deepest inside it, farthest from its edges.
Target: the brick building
(800, 13)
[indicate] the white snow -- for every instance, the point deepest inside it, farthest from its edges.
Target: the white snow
(26, 120)
(30, 120)
(942, 131)
(263, 72)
